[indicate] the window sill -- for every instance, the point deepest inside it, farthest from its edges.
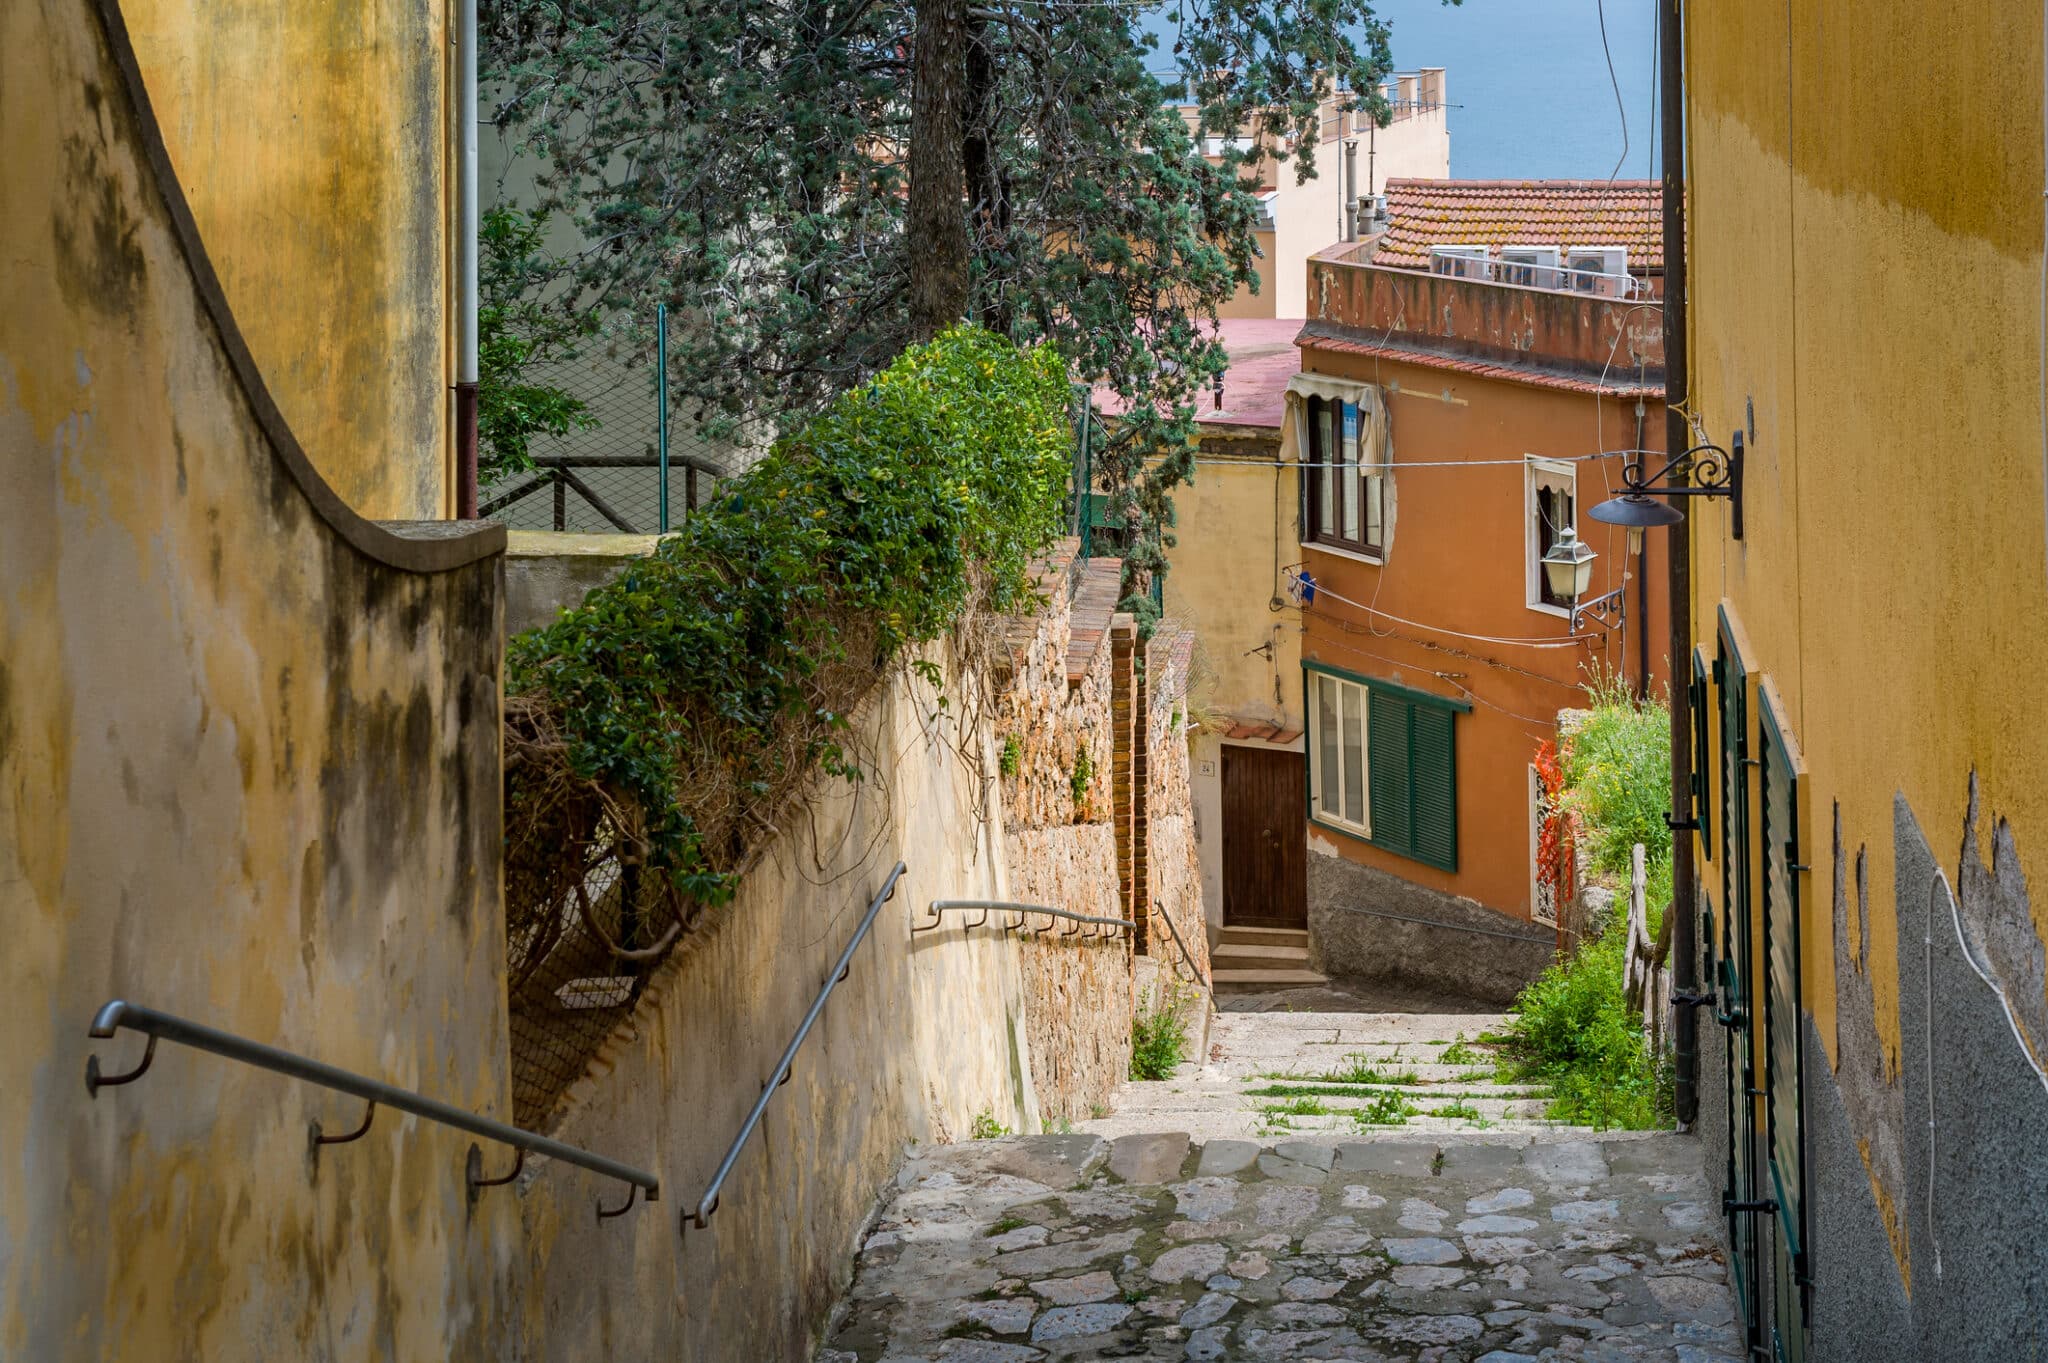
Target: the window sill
(1378, 560)
(1349, 830)
(1545, 608)
(1323, 822)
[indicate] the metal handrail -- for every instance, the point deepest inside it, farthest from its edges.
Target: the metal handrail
(940, 907)
(119, 1014)
(1185, 954)
(709, 1202)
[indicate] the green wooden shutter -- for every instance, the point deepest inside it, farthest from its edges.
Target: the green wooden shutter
(1388, 767)
(1702, 760)
(1434, 777)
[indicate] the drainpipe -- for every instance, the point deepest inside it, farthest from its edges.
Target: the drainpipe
(1637, 543)
(1350, 223)
(465, 263)
(1685, 923)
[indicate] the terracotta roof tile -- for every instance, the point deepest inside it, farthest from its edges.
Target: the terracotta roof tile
(1425, 213)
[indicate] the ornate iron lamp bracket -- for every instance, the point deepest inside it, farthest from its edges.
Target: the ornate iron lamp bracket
(1703, 471)
(1609, 609)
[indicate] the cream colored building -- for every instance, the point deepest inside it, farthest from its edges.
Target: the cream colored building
(1303, 218)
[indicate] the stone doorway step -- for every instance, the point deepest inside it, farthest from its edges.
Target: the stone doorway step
(1255, 960)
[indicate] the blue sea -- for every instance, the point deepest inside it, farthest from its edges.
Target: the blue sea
(1528, 83)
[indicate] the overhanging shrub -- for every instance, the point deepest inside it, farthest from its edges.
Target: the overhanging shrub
(664, 721)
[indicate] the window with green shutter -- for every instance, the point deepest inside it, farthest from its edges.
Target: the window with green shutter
(1383, 764)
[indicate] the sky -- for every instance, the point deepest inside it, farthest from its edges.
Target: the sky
(1528, 83)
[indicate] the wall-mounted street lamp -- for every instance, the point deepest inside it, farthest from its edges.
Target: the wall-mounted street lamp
(1704, 471)
(1568, 569)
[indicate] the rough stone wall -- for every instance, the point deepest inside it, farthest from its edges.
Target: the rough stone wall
(1366, 924)
(1064, 853)
(248, 776)
(1173, 861)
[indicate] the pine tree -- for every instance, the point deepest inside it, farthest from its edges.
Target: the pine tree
(813, 184)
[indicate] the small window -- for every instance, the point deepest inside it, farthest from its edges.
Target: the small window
(1550, 508)
(1384, 766)
(1347, 483)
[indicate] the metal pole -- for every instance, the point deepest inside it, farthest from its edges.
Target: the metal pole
(1684, 948)
(465, 267)
(661, 401)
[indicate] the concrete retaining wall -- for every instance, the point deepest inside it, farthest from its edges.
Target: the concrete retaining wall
(1349, 934)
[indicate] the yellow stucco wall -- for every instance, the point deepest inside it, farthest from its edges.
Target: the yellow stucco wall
(1236, 527)
(312, 141)
(1866, 261)
(240, 781)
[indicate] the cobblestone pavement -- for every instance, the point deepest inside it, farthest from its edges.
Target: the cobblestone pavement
(1450, 1249)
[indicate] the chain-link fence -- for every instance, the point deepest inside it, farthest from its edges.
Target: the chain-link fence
(611, 476)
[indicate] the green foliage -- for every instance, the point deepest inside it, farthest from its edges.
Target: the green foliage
(514, 332)
(1083, 773)
(1386, 1109)
(1572, 1030)
(987, 1128)
(1304, 1106)
(714, 675)
(1459, 1108)
(1159, 1037)
(1013, 755)
(1007, 1223)
(1617, 771)
(1459, 1052)
(747, 163)
(1358, 1068)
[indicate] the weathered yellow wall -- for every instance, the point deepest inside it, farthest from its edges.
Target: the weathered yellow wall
(1866, 258)
(313, 143)
(1230, 521)
(248, 775)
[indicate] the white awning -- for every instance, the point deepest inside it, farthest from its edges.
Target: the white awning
(1366, 395)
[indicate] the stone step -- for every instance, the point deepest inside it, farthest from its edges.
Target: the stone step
(1267, 937)
(1232, 952)
(1229, 981)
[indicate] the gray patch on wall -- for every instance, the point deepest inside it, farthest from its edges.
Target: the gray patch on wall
(1975, 1191)
(1349, 936)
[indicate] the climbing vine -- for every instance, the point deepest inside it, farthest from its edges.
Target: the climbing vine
(671, 715)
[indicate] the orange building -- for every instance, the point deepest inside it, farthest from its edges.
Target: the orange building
(1473, 379)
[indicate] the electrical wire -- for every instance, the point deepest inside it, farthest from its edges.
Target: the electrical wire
(1576, 641)
(1394, 466)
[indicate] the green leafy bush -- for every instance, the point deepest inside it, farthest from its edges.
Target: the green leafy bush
(1573, 1031)
(680, 705)
(987, 1128)
(1013, 755)
(1159, 1037)
(1617, 770)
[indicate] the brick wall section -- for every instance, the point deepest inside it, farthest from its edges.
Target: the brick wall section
(1125, 766)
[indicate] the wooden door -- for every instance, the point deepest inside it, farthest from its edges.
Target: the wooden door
(1265, 831)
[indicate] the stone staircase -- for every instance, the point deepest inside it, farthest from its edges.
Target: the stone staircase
(1256, 960)
(1517, 1243)
(1345, 1076)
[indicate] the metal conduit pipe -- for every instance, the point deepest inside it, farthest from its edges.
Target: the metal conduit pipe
(466, 229)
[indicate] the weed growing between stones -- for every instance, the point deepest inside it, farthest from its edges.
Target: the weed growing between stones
(1459, 1052)
(1159, 1034)
(1457, 1108)
(1013, 755)
(986, 1127)
(1386, 1109)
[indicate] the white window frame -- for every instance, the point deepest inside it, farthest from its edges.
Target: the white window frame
(1364, 458)
(1345, 761)
(1538, 473)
